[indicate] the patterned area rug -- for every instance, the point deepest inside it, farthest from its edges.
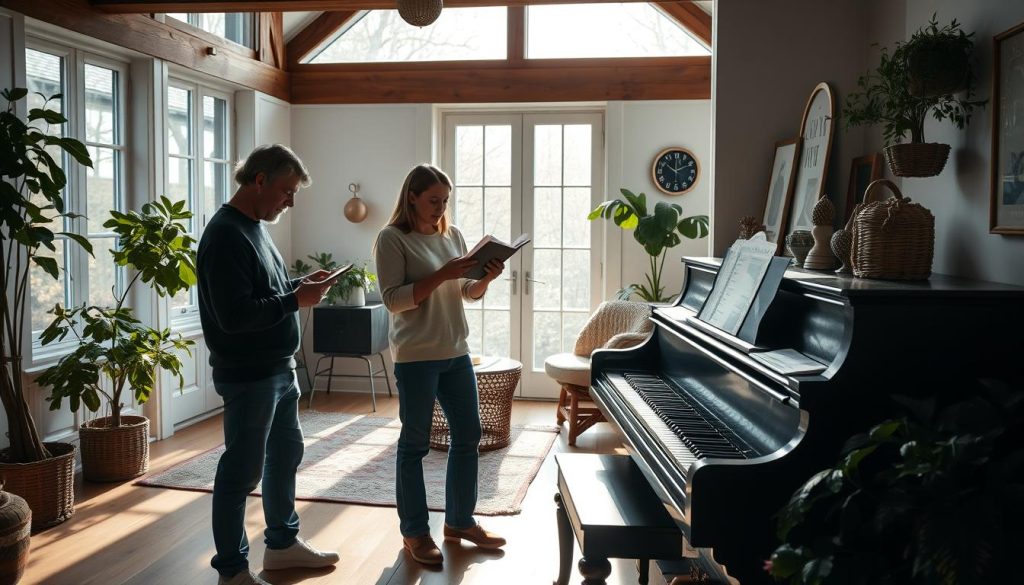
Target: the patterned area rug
(351, 458)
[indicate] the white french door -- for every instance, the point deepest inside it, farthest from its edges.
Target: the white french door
(539, 173)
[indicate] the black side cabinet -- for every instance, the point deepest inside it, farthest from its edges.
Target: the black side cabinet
(350, 330)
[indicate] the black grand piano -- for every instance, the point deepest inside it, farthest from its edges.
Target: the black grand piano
(724, 440)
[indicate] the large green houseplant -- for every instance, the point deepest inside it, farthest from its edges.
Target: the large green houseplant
(32, 181)
(935, 497)
(907, 87)
(113, 347)
(656, 232)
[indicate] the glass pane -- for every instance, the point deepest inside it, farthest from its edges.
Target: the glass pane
(547, 156)
(102, 272)
(498, 293)
(474, 316)
(215, 176)
(179, 117)
(181, 16)
(180, 302)
(44, 74)
(498, 213)
(547, 217)
(179, 182)
(47, 292)
(498, 161)
(211, 22)
(547, 337)
(548, 270)
(576, 279)
(101, 187)
(575, 225)
(458, 34)
(100, 104)
(469, 144)
(572, 324)
(238, 27)
(577, 155)
(469, 210)
(497, 333)
(605, 30)
(215, 128)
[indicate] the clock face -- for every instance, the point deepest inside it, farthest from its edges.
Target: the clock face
(675, 171)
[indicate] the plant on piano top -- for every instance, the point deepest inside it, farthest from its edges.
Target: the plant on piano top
(934, 497)
(656, 232)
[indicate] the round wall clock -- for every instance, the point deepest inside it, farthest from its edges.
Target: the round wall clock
(675, 170)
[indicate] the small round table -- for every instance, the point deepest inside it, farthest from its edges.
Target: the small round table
(496, 380)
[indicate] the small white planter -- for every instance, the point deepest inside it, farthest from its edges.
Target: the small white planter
(356, 298)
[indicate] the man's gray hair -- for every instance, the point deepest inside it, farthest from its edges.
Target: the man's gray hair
(273, 160)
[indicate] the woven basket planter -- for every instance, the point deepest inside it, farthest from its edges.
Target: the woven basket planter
(419, 12)
(48, 485)
(917, 159)
(114, 453)
(892, 239)
(15, 537)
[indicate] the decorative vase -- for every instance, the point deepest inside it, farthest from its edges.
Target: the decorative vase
(820, 257)
(48, 485)
(842, 245)
(799, 243)
(114, 453)
(15, 537)
(355, 209)
(356, 297)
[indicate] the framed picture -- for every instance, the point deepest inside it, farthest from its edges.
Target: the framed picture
(1006, 205)
(816, 146)
(780, 190)
(863, 170)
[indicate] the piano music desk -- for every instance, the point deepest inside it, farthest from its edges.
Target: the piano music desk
(605, 502)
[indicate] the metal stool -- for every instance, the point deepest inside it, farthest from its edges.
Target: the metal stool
(329, 371)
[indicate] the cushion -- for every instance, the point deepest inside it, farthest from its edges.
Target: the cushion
(569, 368)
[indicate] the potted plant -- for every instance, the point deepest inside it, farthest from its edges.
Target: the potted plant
(31, 183)
(116, 348)
(656, 232)
(885, 97)
(939, 59)
(350, 289)
(933, 497)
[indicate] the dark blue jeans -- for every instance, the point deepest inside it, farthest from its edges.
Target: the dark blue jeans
(262, 438)
(453, 383)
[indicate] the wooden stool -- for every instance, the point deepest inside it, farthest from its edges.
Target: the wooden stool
(605, 501)
(580, 418)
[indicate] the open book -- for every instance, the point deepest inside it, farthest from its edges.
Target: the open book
(490, 248)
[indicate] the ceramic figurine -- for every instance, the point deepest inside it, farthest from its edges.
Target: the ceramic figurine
(820, 257)
(799, 243)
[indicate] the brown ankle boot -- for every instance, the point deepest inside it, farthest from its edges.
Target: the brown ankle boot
(477, 535)
(423, 549)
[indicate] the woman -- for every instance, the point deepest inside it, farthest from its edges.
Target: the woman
(419, 269)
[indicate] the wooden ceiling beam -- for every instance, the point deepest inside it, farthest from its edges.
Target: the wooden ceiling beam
(315, 33)
(147, 6)
(692, 17)
(550, 80)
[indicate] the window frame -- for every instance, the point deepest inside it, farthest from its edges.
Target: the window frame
(192, 26)
(76, 261)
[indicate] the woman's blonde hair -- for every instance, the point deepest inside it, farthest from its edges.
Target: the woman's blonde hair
(421, 178)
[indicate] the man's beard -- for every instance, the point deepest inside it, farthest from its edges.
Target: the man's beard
(276, 218)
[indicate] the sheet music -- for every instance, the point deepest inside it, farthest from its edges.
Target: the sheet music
(789, 361)
(737, 283)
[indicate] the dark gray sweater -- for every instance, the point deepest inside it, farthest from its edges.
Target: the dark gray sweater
(246, 301)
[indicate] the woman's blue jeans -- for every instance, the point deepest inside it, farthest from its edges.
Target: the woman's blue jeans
(262, 438)
(453, 383)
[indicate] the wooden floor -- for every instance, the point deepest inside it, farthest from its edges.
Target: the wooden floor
(122, 533)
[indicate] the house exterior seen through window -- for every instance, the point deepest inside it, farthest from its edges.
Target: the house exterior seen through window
(237, 27)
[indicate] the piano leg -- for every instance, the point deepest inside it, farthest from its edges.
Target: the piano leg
(565, 542)
(595, 570)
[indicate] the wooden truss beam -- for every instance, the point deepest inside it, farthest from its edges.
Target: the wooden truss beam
(315, 33)
(146, 6)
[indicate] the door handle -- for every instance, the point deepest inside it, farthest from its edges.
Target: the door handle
(528, 280)
(513, 279)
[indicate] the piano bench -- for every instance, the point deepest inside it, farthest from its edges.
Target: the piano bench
(605, 502)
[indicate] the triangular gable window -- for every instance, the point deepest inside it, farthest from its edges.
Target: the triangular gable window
(552, 31)
(459, 34)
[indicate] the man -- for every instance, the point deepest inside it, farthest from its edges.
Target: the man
(249, 312)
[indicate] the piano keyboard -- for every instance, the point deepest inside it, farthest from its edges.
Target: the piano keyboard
(683, 430)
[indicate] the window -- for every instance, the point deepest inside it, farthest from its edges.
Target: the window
(605, 30)
(198, 163)
(93, 98)
(382, 36)
(234, 26)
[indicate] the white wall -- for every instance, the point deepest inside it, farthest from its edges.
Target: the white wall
(959, 196)
(767, 58)
(635, 132)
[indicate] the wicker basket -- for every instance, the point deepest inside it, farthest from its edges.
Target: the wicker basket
(917, 159)
(15, 536)
(419, 12)
(114, 453)
(892, 239)
(48, 485)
